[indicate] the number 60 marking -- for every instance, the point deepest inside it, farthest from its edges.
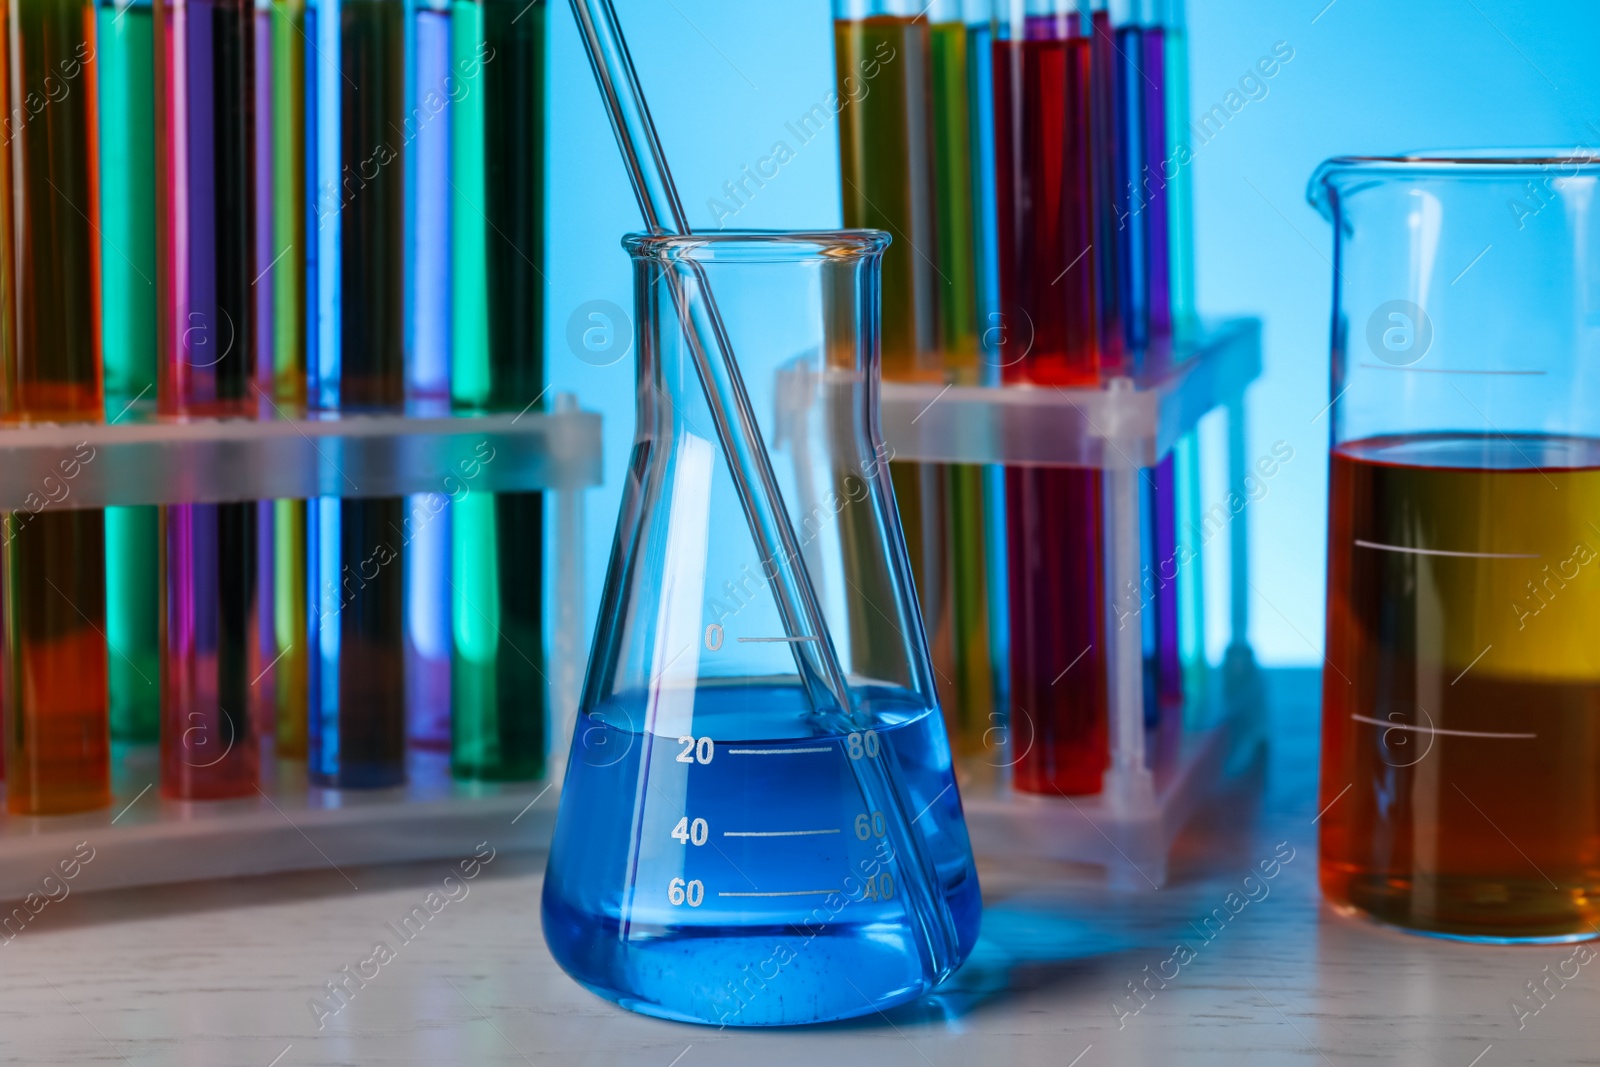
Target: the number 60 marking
(691, 893)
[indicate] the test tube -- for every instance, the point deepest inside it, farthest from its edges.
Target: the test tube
(265, 649)
(356, 144)
(1185, 327)
(1129, 132)
(283, 366)
(1154, 191)
(1147, 96)
(57, 729)
(437, 93)
(1180, 178)
(1046, 236)
(1177, 478)
(884, 86)
(126, 87)
(1107, 135)
(962, 91)
(498, 164)
(206, 181)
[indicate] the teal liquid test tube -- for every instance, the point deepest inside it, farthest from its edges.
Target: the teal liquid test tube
(498, 691)
(128, 339)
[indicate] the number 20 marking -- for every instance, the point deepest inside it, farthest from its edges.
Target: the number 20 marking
(696, 751)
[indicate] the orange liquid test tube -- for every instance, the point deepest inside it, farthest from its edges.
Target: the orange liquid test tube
(56, 709)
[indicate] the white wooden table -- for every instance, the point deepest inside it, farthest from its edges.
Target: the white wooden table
(220, 974)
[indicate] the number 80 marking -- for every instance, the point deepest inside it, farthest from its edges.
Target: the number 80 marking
(859, 745)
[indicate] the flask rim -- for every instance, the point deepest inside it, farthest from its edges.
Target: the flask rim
(757, 246)
(1335, 174)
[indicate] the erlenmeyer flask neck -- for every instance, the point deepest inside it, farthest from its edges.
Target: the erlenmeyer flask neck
(801, 310)
(734, 247)
(841, 265)
(831, 337)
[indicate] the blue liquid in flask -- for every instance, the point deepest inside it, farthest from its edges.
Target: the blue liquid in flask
(732, 871)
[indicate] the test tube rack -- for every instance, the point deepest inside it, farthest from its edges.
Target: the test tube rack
(1156, 779)
(144, 839)
(1154, 784)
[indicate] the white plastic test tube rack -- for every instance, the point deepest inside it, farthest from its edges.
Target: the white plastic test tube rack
(143, 839)
(1123, 429)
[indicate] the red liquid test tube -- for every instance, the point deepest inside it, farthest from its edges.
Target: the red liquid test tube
(1048, 304)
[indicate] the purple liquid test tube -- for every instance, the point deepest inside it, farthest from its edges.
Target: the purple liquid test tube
(206, 208)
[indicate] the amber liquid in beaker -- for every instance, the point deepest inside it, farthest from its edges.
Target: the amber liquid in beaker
(1461, 699)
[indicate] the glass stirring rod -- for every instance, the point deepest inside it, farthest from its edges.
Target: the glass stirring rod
(816, 656)
(740, 435)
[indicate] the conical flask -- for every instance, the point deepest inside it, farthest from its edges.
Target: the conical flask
(733, 848)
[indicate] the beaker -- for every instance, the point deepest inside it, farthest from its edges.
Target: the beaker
(1461, 752)
(729, 849)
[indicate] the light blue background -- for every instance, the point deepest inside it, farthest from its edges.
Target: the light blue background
(1368, 76)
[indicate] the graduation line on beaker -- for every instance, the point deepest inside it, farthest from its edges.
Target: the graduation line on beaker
(777, 751)
(777, 833)
(1454, 370)
(1440, 732)
(1445, 552)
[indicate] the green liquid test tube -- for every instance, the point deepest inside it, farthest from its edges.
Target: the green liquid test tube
(128, 340)
(498, 693)
(952, 62)
(287, 357)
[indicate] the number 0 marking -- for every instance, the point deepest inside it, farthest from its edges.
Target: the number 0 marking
(713, 637)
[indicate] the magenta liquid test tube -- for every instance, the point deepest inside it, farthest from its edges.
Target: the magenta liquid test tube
(206, 207)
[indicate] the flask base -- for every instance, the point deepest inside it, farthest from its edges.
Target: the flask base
(764, 976)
